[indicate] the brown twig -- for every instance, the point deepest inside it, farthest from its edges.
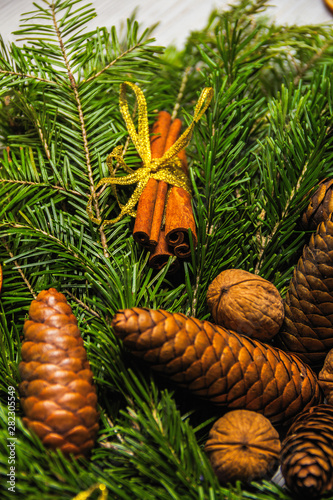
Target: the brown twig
(181, 92)
(23, 276)
(107, 444)
(82, 304)
(42, 139)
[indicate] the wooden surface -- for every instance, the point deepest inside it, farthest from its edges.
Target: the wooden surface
(176, 17)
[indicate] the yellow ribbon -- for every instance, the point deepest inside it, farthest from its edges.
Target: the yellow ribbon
(168, 168)
(83, 495)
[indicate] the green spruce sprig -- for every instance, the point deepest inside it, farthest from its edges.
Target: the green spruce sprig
(263, 145)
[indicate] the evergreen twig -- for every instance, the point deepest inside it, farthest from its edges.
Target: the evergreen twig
(261, 147)
(83, 127)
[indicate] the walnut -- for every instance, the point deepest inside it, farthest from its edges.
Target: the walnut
(246, 303)
(243, 445)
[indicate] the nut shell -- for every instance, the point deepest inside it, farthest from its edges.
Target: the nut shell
(246, 303)
(243, 445)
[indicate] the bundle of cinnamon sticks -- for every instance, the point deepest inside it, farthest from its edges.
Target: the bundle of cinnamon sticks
(164, 213)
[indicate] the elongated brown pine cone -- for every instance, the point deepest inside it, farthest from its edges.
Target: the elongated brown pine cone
(230, 370)
(57, 393)
(308, 325)
(307, 453)
(320, 206)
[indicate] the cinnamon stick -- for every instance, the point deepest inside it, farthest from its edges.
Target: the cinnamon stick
(144, 213)
(162, 189)
(161, 254)
(179, 217)
(178, 220)
(161, 193)
(146, 205)
(156, 203)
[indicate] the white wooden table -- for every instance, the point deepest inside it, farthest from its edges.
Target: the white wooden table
(176, 17)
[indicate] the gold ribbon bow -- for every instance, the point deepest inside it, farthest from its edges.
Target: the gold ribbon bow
(84, 495)
(168, 168)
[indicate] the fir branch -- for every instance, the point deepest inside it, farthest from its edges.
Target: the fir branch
(40, 184)
(36, 231)
(74, 87)
(265, 240)
(254, 157)
(316, 57)
(28, 77)
(112, 63)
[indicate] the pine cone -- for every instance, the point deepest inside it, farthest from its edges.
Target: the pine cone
(230, 370)
(307, 453)
(308, 325)
(320, 206)
(325, 378)
(57, 394)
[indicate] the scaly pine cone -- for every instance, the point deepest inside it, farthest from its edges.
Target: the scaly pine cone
(308, 325)
(320, 206)
(325, 378)
(307, 453)
(57, 393)
(230, 370)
